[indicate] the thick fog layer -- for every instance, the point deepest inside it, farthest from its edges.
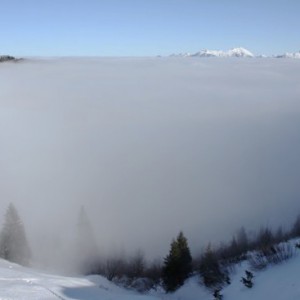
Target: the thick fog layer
(149, 147)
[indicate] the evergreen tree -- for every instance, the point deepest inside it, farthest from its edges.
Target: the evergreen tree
(13, 242)
(295, 232)
(233, 249)
(177, 264)
(279, 236)
(210, 269)
(86, 246)
(242, 240)
(265, 238)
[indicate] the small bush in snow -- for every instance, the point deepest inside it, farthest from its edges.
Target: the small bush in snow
(217, 294)
(227, 279)
(247, 281)
(141, 285)
(297, 245)
(114, 268)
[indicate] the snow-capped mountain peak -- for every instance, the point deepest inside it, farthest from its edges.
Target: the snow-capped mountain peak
(290, 55)
(239, 52)
(209, 53)
(235, 52)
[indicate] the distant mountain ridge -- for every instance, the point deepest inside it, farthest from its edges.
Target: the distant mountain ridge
(4, 58)
(234, 52)
(290, 55)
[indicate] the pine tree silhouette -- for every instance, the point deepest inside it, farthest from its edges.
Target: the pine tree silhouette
(86, 246)
(13, 242)
(210, 270)
(177, 265)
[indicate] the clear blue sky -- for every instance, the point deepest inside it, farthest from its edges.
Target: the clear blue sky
(147, 27)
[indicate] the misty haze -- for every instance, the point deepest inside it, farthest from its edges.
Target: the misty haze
(149, 147)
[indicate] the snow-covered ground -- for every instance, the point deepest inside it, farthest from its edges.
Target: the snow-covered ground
(17, 282)
(280, 282)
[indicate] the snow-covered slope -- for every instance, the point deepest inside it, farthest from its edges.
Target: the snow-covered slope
(276, 282)
(280, 282)
(17, 282)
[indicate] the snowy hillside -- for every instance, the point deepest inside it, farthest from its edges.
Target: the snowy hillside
(279, 282)
(17, 282)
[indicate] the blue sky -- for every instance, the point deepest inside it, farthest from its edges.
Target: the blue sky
(146, 27)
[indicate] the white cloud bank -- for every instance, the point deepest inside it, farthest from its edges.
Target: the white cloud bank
(151, 146)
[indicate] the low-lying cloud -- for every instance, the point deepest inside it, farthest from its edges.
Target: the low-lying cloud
(150, 147)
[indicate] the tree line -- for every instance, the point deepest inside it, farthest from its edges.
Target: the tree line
(213, 265)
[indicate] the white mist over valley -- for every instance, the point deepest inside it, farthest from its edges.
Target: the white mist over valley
(149, 146)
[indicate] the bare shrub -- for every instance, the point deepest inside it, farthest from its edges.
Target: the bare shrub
(136, 265)
(275, 254)
(114, 268)
(154, 272)
(134, 273)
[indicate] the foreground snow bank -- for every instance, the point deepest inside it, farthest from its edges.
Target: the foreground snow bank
(17, 282)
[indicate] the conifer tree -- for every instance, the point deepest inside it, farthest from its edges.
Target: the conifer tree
(177, 265)
(13, 242)
(210, 270)
(233, 248)
(86, 246)
(265, 238)
(242, 240)
(295, 232)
